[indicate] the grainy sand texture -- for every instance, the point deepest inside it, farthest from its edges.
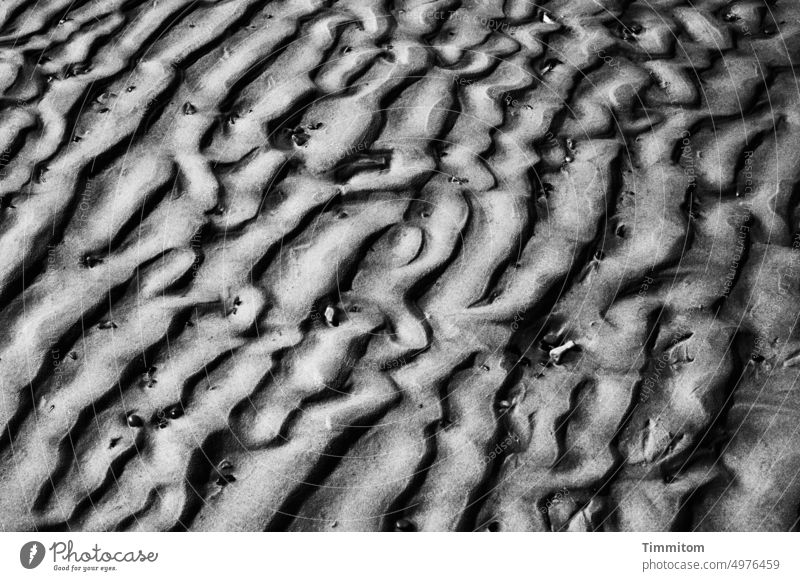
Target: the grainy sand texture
(373, 265)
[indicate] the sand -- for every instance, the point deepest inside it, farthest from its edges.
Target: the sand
(399, 266)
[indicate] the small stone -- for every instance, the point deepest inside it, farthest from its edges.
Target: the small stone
(405, 525)
(549, 65)
(91, 261)
(547, 19)
(330, 316)
(556, 353)
(300, 138)
(134, 421)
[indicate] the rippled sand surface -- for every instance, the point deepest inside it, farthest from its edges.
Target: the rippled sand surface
(373, 265)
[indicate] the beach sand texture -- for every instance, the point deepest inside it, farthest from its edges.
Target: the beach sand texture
(399, 266)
